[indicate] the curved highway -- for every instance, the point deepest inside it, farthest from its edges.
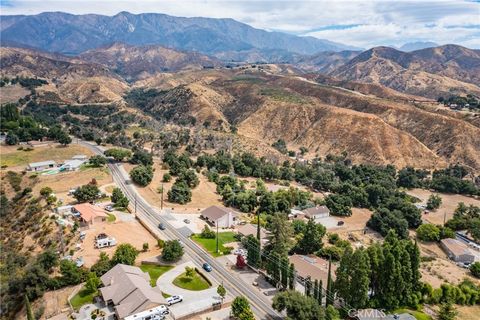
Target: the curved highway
(148, 215)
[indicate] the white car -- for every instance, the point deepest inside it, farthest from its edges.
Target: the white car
(174, 299)
(242, 252)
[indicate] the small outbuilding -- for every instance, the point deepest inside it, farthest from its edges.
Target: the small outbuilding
(41, 166)
(457, 250)
(80, 157)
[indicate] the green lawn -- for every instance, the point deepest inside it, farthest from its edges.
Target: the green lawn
(210, 244)
(111, 217)
(417, 314)
(154, 271)
(195, 283)
(81, 298)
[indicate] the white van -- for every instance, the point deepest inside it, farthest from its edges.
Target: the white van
(105, 243)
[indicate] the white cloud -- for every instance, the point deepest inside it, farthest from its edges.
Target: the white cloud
(374, 22)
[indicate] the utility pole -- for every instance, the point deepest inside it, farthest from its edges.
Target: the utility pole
(161, 202)
(217, 234)
(135, 203)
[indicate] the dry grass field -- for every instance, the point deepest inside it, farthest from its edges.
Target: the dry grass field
(18, 159)
(449, 203)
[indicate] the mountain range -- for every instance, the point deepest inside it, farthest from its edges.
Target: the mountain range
(72, 34)
(268, 85)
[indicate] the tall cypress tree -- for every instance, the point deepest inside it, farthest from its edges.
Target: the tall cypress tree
(284, 270)
(308, 286)
(320, 292)
(258, 226)
(291, 277)
(315, 289)
(329, 284)
(28, 306)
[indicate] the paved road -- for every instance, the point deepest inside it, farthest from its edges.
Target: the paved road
(146, 213)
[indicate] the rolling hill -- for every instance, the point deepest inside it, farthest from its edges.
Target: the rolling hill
(133, 63)
(430, 72)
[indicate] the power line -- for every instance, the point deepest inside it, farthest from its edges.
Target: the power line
(275, 260)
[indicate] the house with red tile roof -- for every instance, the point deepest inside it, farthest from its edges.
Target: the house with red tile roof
(89, 214)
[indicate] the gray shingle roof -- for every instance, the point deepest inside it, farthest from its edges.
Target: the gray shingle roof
(129, 289)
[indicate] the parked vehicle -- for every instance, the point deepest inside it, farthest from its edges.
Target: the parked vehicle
(161, 226)
(340, 223)
(207, 267)
(105, 243)
(101, 236)
(174, 299)
(186, 221)
(242, 252)
(109, 208)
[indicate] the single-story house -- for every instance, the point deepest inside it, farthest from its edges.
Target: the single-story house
(317, 212)
(128, 289)
(81, 157)
(220, 216)
(251, 229)
(457, 250)
(89, 214)
(71, 165)
(296, 215)
(40, 166)
(311, 266)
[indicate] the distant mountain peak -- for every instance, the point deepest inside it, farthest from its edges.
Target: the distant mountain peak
(73, 34)
(418, 45)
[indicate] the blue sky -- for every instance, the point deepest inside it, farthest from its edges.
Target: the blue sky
(364, 23)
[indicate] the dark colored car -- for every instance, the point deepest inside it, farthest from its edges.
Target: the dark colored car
(161, 226)
(207, 267)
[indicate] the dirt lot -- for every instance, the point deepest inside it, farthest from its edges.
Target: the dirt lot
(19, 159)
(441, 269)
(203, 196)
(124, 232)
(62, 182)
(449, 203)
(56, 301)
(468, 312)
(12, 93)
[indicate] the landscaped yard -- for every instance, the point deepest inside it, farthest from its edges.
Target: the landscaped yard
(154, 271)
(111, 217)
(81, 298)
(195, 283)
(211, 244)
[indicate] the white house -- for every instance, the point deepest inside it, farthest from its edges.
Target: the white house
(317, 212)
(40, 166)
(220, 216)
(71, 165)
